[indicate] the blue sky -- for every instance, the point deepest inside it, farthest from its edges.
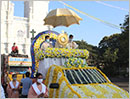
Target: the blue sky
(89, 30)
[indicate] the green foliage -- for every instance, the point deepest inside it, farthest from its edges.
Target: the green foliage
(114, 50)
(124, 42)
(110, 55)
(93, 52)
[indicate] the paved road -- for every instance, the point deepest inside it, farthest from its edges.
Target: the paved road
(121, 82)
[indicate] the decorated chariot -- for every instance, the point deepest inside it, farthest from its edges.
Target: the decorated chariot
(66, 72)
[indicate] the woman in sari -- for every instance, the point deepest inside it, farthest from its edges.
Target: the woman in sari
(13, 87)
(38, 89)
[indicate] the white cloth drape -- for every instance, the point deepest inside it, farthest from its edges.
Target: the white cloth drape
(47, 62)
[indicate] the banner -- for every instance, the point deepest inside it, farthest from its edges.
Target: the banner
(18, 61)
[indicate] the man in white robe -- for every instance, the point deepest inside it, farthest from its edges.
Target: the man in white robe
(71, 44)
(46, 43)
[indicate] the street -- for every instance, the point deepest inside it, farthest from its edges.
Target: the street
(121, 82)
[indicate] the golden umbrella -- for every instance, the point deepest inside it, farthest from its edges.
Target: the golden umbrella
(61, 17)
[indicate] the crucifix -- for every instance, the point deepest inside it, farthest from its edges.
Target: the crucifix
(32, 34)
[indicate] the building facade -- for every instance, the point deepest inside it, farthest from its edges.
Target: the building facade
(17, 29)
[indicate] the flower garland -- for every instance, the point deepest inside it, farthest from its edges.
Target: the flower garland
(98, 76)
(75, 62)
(91, 75)
(78, 76)
(86, 75)
(72, 76)
(83, 76)
(61, 52)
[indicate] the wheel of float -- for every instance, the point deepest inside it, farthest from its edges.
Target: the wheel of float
(62, 39)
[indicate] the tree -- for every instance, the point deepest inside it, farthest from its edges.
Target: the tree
(93, 52)
(124, 43)
(108, 53)
(114, 50)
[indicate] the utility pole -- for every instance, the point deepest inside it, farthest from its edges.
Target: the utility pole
(7, 24)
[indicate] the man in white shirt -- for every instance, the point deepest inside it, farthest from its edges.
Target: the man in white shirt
(46, 43)
(71, 44)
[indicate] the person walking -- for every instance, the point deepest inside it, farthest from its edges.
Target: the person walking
(38, 89)
(13, 87)
(26, 82)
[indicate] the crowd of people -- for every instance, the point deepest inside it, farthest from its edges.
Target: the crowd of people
(30, 89)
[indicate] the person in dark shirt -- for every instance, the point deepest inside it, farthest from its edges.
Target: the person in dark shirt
(26, 82)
